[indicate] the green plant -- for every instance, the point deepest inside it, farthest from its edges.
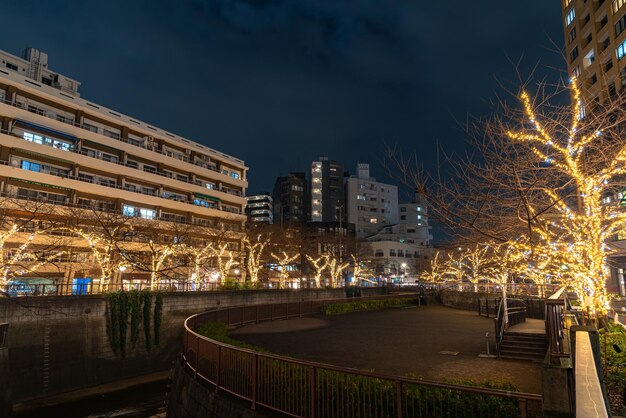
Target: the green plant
(147, 309)
(158, 317)
(113, 320)
(614, 363)
(365, 305)
(135, 316)
(230, 284)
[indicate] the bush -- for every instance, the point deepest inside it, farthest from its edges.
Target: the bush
(614, 364)
(218, 332)
(365, 305)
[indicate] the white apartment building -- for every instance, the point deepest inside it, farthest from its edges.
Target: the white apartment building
(405, 248)
(371, 205)
(260, 207)
(59, 148)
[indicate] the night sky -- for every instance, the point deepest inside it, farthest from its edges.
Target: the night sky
(279, 83)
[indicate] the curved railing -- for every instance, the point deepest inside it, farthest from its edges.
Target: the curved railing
(301, 388)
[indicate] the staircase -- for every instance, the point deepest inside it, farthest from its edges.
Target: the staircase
(523, 346)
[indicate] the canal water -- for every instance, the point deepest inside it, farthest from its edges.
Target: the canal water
(141, 401)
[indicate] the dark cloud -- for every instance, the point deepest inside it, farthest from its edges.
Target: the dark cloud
(280, 82)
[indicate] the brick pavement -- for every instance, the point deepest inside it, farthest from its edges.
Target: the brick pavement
(397, 341)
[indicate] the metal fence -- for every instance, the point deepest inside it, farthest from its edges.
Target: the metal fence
(300, 388)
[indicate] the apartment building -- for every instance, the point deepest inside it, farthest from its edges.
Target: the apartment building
(327, 191)
(370, 204)
(260, 207)
(58, 148)
(291, 198)
(404, 249)
(595, 42)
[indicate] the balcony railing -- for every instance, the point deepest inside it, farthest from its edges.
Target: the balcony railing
(110, 184)
(90, 153)
(91, 128)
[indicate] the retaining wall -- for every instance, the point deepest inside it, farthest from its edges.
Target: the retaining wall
(60, 343)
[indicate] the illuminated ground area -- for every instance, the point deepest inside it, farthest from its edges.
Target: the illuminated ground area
(397, 341)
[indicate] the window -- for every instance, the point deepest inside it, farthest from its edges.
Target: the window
(38, 139)
(128, 210)
(621, 50)
(620, 25)
(572, 34)
(419, 209)
(569, 18)
(27, 165)
(403, 209)
(574, 54)
(234, 175)
(403, 217)
(419, 216)
(210, 186)
(11, 66)
(147, 213)
(617, 4)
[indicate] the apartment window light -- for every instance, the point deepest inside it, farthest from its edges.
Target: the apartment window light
(621, 50)
(617, 4)
(569, 18)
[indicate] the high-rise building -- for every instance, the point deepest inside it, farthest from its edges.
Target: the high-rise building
(60, 150)
(595, 42)
(327, 191)
(370, 205)
(260, 207)
(291, 199)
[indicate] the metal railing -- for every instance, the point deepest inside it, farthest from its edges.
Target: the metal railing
(514, 314)
(557, 306)
(115, 186)
(300, 388)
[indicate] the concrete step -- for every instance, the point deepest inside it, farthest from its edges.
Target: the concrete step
(521, 358)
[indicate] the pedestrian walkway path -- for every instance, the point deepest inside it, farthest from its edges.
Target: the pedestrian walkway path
(531, 326)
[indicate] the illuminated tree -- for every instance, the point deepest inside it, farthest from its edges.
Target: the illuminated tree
(437, 271)
(283, 260)
(319, 265)
(225, 259)
(104, 233)
(544, 180)
(254, 247)
(335, 268)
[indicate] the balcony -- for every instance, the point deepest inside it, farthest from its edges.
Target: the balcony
(105, 132)
(112, 185)
(105, 157)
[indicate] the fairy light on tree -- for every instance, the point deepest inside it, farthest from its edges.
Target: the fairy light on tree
(254, 248)
(319, 265)
(335, 268)
(284, 259)
(588, 154)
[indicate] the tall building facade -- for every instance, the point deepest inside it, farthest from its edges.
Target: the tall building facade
(260, 207)
(595, 39)
(327, 191)
(370, 205)
(595, 42)
(291, 199)
(59, 149)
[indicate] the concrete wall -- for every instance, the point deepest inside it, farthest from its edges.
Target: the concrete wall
(190, 399)
(57, 344)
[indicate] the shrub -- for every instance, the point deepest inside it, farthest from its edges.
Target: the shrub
(365, 305)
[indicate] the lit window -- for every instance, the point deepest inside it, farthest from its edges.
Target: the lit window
(147, 213)
(373, 220)
(210, 186)
(621, 50)
(234, 175)
(419, 216)
(128, 210)
(27, 165)
(419, 209)
(570, 17)
(617, 4)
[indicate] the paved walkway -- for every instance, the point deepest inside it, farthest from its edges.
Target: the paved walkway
(531, 326)
(397, 341)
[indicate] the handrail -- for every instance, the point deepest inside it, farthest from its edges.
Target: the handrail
(246, 373)
(557, 306)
